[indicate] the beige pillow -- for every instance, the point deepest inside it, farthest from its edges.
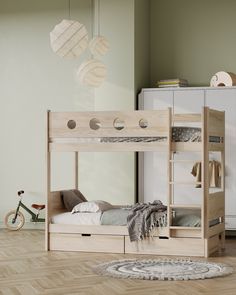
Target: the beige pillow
(92, 206)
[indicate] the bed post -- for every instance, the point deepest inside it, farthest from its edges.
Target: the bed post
(222, 235)
(169, 171)
(48, 184)
(76, 170)
(205, 178)
(140, 178)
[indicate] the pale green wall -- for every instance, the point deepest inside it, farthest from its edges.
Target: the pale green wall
(33, 79)
(110, 176)
(192, 39)
(142, 44)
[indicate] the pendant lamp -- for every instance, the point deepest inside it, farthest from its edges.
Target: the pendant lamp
(69, 38)
(99, 45)
(92, 73)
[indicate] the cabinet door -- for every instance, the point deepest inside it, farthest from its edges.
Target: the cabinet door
(153, 181)
(186, 101)
(225, 99)
(155, 99)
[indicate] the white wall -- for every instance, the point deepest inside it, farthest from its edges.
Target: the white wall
(33, 79)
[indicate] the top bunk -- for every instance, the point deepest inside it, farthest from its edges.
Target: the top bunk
(156, 130)
(109, 130)
(209, 135)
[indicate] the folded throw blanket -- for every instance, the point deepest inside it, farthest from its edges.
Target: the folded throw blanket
(144, 217)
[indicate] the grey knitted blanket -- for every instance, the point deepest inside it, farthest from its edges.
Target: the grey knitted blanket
(144, 217)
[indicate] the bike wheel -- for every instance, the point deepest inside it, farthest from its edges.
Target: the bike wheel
(19, 222)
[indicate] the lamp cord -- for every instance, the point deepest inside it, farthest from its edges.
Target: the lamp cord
(98, 17)
(92, 22)
(92, 16)
(69, 12)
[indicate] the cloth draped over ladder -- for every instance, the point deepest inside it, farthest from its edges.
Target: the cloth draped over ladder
(144, 217)
(214, 173)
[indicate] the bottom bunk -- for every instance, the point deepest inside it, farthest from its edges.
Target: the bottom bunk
(115, 239)
(65, 234)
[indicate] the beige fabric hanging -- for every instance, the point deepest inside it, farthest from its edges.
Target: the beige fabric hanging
(214, 173)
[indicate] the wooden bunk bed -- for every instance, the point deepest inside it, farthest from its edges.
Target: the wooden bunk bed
(149, 131)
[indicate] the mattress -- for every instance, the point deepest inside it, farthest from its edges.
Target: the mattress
(185, 134)
(117, 217)
(179, 134)
(77, 218)
(109, 217)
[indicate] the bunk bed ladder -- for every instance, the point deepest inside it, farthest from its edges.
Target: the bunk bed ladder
(170, 174)
(213, 203)
(48, 183)
(205, 177)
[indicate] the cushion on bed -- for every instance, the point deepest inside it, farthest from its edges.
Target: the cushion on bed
(80, 195)
(71, 198)
(92, 206)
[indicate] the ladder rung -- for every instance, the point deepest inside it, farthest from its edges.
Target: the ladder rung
(185, 182)
(186, 206)
(185, 227)
(187, 161)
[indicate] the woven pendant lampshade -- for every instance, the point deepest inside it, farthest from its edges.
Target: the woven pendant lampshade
(99, 45)
(69, 39)
(92, 73)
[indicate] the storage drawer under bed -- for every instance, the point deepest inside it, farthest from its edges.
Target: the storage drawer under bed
(86, 243)
(162, 246)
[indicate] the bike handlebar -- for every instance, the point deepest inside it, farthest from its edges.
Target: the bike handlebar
(20, 192)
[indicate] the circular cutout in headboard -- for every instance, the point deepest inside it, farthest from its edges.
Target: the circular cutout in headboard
(118, 124)
(71, 124)
(143, 123)
(94, 124)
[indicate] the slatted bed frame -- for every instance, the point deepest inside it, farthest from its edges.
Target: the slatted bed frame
(72, 132)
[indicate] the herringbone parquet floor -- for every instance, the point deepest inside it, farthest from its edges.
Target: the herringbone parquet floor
(26, 269)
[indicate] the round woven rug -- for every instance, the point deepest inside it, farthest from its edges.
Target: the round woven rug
(163, 269)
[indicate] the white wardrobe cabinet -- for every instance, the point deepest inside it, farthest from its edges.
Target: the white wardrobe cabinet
(188, 101)
(225, 99)
(153, 166)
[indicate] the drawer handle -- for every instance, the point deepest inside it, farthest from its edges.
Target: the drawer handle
(86, 235)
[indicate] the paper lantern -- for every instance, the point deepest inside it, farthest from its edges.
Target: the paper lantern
(92, 73)
(99, 45)
(69, 39)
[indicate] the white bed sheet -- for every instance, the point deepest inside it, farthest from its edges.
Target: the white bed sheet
(77, 218)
